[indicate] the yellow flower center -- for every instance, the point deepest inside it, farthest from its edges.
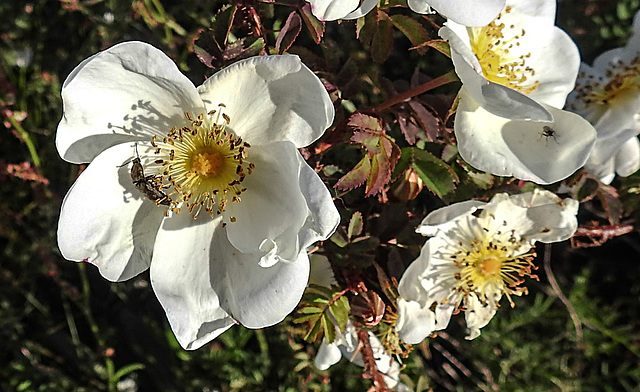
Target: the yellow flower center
(620, 80)
(494, 45)
(201, 166)
(486, 261)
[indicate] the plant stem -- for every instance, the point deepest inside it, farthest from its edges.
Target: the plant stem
(27, 140)
(423, 88)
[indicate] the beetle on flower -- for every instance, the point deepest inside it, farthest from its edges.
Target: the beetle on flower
(229, 245)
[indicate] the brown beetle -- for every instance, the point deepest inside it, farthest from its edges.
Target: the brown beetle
(147, 185)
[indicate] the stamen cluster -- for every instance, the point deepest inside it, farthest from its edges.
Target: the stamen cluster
(620, 78)
(493, 46)
(202, 164)
(487, 261)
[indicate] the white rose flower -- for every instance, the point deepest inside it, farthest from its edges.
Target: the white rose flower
(478, 252)
(472, 13)
(608, 96)
(329, 10)
(226, 153)
(516, 74)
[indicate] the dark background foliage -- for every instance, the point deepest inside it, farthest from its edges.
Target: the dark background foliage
(64, 328)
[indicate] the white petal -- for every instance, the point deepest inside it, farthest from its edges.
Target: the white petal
(181, 276)
(365, 8)
(536, 216)
(442, 218)
(270, 99)
(556, 61)
(493, 97)
(323, 216)
(255, 296)
(420, 6)
(332, 9)
(415, 322)
(410, 285)
(619, 117)
(551, 218)
(520, 148)
(273, 207)
(604, 171)
(466, 12)
(612, 56)
(532, 12)
(478, 315)
(106, 221)
(608, 145)
(126, 93)
(328, 355)
(627, 160)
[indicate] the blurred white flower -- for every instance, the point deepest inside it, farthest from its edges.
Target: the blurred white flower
(347, 345)
(346, 342)
(608, 96)
(472, 13)
(24, 57)
(226, 153)
(516, 74)
(341, 9)
(478, 252)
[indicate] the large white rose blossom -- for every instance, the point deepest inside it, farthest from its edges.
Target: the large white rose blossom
(516, 74)
(220, 205)
(341, 9)
(472, 13)
(608, 96)
(477, 253)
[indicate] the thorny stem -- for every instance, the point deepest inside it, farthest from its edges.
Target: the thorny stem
(370, 362)
(599, 235)
(423, 88)
(556, 289)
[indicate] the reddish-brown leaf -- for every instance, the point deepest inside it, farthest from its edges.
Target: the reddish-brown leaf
(289, 32)
(315, 26)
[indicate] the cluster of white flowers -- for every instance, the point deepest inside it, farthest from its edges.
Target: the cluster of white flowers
(221, 207)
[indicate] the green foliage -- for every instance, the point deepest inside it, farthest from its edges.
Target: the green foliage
(324, 309)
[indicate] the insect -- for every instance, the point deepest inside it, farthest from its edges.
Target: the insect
(147, 185)
(548, 132)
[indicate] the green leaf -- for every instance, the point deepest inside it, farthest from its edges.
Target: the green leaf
(357, 176)
(366, 27)
(123, 371)
(413, 30)
(437, 175)
(355, 225)
(382, 42)
(323, 309)
(441, 46)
